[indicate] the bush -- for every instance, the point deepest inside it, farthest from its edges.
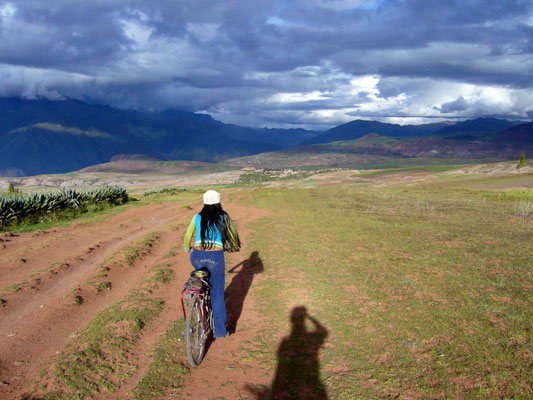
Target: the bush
(521, 160)
(38, 207)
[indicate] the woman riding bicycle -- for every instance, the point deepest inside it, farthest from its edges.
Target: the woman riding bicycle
(215, 234)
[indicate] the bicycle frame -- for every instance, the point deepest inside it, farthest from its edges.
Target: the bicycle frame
(200, 295)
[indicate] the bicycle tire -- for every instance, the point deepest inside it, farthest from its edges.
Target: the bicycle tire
(195, 336)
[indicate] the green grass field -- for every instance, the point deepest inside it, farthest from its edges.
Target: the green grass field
(425, 292)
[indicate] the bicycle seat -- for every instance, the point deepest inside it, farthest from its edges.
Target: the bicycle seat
(201, 273)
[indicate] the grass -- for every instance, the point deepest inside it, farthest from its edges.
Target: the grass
(138, 251)
(160, 274)
(510, 195)
(167, 369)
(422, 168)
(424, 291)
(173, 251)
(78, 300)
(97, 359)
(100, 358)
(35, 278)
(14, 287)
(172, 191)
(129, 255)
(270, 175)
(19, 260)
(100, 286)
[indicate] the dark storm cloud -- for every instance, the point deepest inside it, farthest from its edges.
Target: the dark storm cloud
(460, 104)
(302, 62)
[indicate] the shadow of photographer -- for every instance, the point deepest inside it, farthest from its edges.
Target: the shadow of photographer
(239, 287)
(298, 371)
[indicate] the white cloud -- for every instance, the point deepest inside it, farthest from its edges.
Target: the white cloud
(203, 31)
(30, 83)
(7, 10)
(281, 98)
(136, 31)
(341, 5)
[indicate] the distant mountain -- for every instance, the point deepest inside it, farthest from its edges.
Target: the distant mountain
(43, 136)
(376, 149)
(495, 145)
(474, 128)
(285, 138)
(358, 128)
(517, 136)
(52, 148)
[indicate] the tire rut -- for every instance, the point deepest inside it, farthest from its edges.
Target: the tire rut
(157, 328)
(40, 325)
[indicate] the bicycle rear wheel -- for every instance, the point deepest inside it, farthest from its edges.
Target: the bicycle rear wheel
(195, 336)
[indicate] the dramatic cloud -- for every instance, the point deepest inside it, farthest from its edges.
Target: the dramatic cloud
(293, 63)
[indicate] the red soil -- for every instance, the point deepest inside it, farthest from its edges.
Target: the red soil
(37, 322)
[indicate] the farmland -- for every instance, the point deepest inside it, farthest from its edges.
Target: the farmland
(402, 283)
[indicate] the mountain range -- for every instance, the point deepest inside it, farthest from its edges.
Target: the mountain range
(44, 136)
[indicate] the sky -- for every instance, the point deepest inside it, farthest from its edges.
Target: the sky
(300, 63)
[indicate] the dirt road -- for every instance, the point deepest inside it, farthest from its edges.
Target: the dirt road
(43, 272)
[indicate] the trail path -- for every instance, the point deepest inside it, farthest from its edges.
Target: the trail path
(37, 322)
(226, 372)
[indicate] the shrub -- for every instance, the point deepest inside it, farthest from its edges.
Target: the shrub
(521, 160)
(37, 207)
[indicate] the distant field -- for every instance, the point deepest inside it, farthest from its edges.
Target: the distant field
(135, 175)
(410, 283)
(333, 155)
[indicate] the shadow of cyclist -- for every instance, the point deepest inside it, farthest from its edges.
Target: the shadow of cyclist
(298, 371)
(239, 286)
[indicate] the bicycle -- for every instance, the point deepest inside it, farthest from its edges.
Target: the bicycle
(199, 322)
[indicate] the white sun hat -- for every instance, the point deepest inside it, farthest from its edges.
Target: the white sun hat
(211, 197)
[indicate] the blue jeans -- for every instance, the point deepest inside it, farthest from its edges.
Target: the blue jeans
(214, 262)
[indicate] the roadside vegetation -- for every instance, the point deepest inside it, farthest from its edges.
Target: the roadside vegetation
(17, 208)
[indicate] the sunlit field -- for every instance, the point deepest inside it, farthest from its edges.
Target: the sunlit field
(405, 283)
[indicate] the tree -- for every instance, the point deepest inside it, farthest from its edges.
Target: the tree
(521, 160)
(11, 188)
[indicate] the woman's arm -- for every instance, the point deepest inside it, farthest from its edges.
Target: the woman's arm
(188, 235)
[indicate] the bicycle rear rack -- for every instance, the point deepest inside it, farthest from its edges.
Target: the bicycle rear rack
(195, 292)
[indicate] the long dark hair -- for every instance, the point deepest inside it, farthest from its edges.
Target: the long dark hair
(214, 216)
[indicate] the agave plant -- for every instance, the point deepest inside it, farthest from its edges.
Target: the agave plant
(33, 207)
